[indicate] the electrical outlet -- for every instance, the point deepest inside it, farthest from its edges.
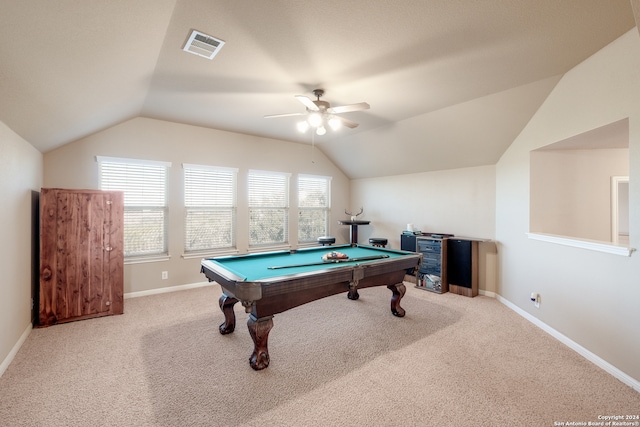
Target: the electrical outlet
(165, 275)
(535, 299)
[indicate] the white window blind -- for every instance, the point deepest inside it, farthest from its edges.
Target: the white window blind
(210, 207)
(268, 208)
(144, 184)
(314, 197)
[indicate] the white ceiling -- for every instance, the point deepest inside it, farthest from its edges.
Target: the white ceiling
(450, 82)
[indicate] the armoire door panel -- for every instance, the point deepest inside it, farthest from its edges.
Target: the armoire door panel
(115, 253)
(86, 275)
(48, 267)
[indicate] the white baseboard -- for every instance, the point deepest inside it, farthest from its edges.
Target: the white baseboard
(165, 290)
(7, 360)
(617, 373)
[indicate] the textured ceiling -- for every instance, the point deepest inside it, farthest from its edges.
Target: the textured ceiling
(450, 82)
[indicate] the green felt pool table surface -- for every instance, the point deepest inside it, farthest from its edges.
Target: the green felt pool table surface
(256, 267)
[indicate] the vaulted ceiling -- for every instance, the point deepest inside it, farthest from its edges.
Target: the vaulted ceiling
(450, 82)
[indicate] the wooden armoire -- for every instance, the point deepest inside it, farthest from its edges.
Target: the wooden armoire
(81, 255)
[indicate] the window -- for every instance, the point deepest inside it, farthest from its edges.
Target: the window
(313, 207)
(210, 207)
(268, 208)
(144, 184)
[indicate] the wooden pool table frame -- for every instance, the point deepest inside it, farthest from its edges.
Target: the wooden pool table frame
(264, 298)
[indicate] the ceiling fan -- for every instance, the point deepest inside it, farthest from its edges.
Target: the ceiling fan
(320, 113)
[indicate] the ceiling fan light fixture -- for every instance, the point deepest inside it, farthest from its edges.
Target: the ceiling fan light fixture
(315, 119)
(320, 115)
(302, 126)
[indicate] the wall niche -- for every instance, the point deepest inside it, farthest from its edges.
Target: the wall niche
(572, 185)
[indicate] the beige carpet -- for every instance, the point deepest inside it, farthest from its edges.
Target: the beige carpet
(452, 361)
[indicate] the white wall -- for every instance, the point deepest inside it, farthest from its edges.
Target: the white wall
(74, 166)
(590, 297)
(457, 201)
(571, 191)
(20, 176)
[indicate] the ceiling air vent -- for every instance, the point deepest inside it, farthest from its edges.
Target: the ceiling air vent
(203, 45)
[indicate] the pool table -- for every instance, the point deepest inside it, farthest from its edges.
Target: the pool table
(273, 282)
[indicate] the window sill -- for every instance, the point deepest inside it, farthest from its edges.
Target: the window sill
(209, 254)
(275, 248)
(141, 260)
(592, 245)
(308, 245)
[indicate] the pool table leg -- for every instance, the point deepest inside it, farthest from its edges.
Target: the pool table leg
(353, 293)
(259, 331)
(398, 292)
(226, 305)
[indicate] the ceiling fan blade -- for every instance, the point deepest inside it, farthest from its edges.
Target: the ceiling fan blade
(347, 108)
(346, 122)
(307, 102)
(271, 116)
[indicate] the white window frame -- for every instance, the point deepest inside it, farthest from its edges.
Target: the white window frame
(258, 205)
(149, 204)
(308, 208)
(202, 184)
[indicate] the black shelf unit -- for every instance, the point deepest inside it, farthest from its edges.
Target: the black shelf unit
(408, 242)
(450, 264)
(432, 274)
